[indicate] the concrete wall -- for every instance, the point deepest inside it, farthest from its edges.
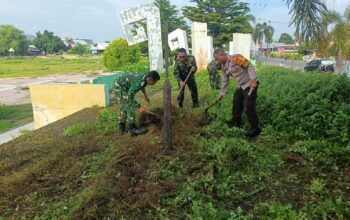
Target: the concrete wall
(54, 102)
(230, 47)
(200, 44)
(210, 49)
(107, 80)
(242, 44)
(151, 14)
(178, 39)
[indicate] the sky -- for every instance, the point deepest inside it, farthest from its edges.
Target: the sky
(97, 19)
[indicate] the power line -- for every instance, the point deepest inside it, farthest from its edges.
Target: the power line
(271, 21)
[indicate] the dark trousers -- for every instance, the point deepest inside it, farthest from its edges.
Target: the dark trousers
(243, 101)
(192, 85)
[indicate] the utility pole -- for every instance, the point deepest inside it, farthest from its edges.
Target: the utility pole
(168, 141)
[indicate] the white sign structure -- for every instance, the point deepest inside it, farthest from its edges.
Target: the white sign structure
(242, 44)
(210, 49)
(200, 44)
(178, 39)
(151, 14)
(230, 47)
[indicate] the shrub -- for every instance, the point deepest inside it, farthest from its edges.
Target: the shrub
(77, 129)
(80, 49)
(119, 53)
(305, 106)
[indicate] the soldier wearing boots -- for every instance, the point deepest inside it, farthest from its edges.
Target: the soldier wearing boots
(184, 65)
(244, 98)
(214, 76)
(125, 88)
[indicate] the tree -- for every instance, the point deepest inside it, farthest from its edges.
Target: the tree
(307, 17)
(223, 17)
(286, 38)
(11, 37)
(119, 53)
(340, 37)
(48, 42)
(263, 32)
(170, 14)
(80, 49)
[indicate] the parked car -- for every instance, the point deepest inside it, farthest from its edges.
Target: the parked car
(320, 65)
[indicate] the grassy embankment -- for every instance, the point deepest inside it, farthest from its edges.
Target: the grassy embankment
(298, 168)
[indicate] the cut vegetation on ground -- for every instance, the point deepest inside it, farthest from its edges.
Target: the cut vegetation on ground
(298, 168)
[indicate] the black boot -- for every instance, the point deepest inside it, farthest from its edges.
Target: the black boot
(181, 105)
(134, 131)
(122, 128)
(234, 123)
(253, 132)
(195, 105)
(131, 126)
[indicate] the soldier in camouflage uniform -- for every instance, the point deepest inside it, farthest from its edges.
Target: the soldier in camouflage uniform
(125, 88)
(214, 76)
(184, 65)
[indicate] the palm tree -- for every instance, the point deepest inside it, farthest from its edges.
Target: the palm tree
(340, 38)
(307, 17)
(258, 34)
(263, 32)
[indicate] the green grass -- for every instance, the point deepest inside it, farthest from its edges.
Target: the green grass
(15, 115)
(80, 168)
(35, 67)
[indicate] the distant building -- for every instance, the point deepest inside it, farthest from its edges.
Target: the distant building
(278, 47)
(33, 50)
(70, 43)
(99, 48)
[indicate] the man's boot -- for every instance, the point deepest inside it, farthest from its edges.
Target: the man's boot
(181, 105)
(253, 132)
(131, 127)
(234, 123)
(134, 131)
(122, 128)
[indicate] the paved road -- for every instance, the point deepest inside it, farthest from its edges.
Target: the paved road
(14, 133)
(15, 91)
(282, 62)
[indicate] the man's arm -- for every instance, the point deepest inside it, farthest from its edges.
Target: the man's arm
(251, 71)
(176, 73)
(252, 76)
(193, 65)
(224, 85)
(145, 94)
(131, 96)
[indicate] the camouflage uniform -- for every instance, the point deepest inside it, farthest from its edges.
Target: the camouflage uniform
(125, 88)
(214, 76)
(181, 71)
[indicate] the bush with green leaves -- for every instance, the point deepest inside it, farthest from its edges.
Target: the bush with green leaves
(305, 106)
(119, 54)
(80, 49)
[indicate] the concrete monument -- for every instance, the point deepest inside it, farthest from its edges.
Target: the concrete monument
(242, 44)
(150, 13)
(178, 39)
(200, 44)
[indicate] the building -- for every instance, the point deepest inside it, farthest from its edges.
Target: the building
(33, 50)
(99, 48)
(278, 47)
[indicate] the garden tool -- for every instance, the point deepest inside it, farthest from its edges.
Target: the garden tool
(212, 105)
(182, 87)
(152, 113)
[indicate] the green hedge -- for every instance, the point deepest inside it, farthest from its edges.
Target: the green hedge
(306, 106)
